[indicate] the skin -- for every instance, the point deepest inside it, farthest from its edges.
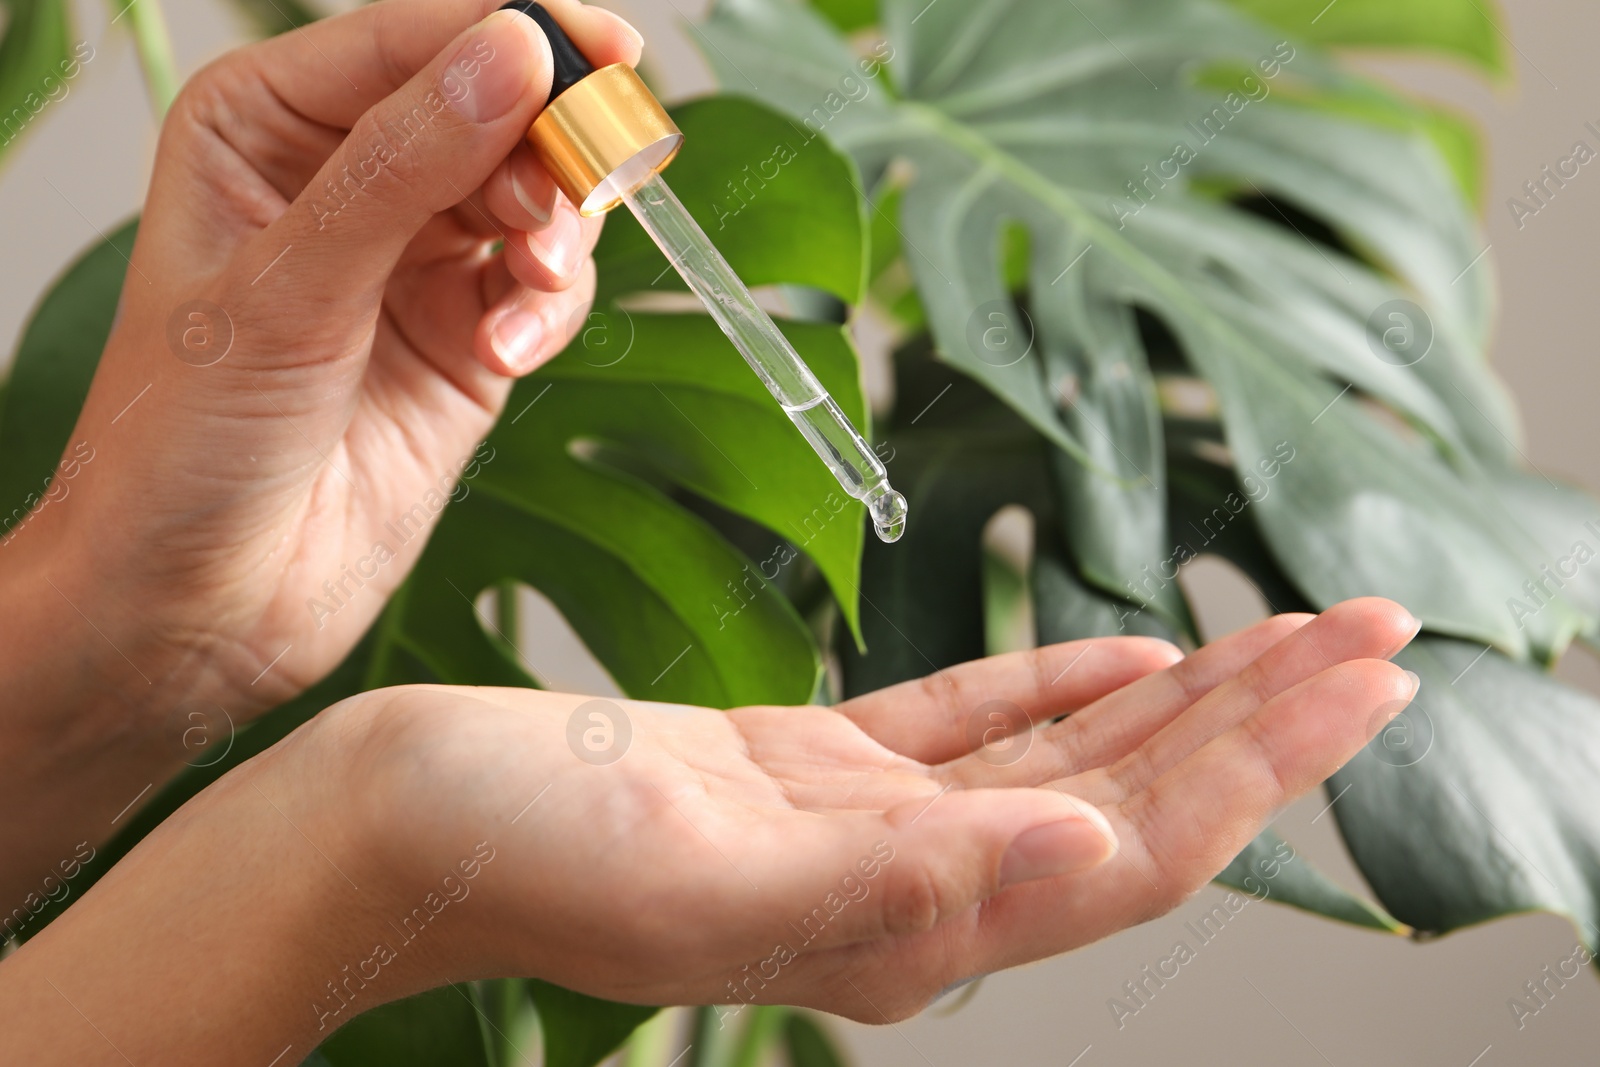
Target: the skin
(363, 371)
(364, 367)
(660, 877)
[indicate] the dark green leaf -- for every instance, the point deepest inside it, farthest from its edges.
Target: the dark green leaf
(778, 201)
(849, 15)
(580, 1031)
(1269, 869)
(573, 499)
(35, 66)
(1477, 801)
(439, 1028)
(1211, 515)
(1565, 523)
(808, 1045)
(54, 364)
(1463, 29)
(1067, 609)
(1453, 135)
(964, 464)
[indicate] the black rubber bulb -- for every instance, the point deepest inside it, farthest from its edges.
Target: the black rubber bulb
(572, 66)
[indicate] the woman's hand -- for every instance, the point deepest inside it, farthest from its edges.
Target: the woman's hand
(857, 859)
(315, 333)
(713, 842)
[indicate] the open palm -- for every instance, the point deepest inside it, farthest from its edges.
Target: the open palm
(859, 859)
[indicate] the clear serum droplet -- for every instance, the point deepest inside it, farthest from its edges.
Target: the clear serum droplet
(888, 510)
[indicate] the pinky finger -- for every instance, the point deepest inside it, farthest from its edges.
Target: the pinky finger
(528, 328)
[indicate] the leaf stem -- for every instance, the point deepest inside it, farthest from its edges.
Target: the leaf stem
(507, 620)
(475, 997)
(761, 1033)
(154, 45)
(711, 1040)
(506, 997)
(652, 1044)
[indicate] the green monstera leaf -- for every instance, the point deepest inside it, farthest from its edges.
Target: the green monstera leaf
(1469, 32)
(54, 364)
(1469, 805)
(575, 491)
(439, 1028)
(1477, 801)
(610, 486)
(1181, 160)
(36, 63)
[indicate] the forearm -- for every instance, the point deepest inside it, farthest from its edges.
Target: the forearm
(228, 936)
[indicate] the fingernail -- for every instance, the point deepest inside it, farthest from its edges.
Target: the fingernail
(515, 338)
(558, 245)
(1054, 849)
(490, 72)
(1416, 683)
(540, 211)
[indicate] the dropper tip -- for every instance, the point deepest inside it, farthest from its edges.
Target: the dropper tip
(888, 511)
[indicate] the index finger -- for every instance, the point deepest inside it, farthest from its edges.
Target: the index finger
(333, 71)
(934, 719)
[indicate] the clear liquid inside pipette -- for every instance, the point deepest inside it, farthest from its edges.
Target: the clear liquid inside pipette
(769, 354)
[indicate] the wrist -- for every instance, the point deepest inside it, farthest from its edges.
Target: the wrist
(97, 648)
(100, 711)
(85, 672)
(436, 858)
(258, 899)
(76, 751)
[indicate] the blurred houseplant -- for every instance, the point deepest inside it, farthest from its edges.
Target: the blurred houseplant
(1162, 272)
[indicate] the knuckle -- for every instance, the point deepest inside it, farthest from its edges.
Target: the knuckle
(389, 40)
(371, 152)
(202, 99)
(1255, 681)
(1263, 747)
(917, 903)
(1040, 661)
(1132, 771)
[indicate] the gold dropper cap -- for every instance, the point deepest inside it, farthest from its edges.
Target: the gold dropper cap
(604, 135)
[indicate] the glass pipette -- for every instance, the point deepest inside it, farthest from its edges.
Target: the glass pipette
(758, 339)
(605, 139)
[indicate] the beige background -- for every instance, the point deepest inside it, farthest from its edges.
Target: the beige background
(1276, 986)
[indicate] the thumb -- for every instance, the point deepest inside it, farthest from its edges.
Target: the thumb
(417, 152)
(933, 859)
